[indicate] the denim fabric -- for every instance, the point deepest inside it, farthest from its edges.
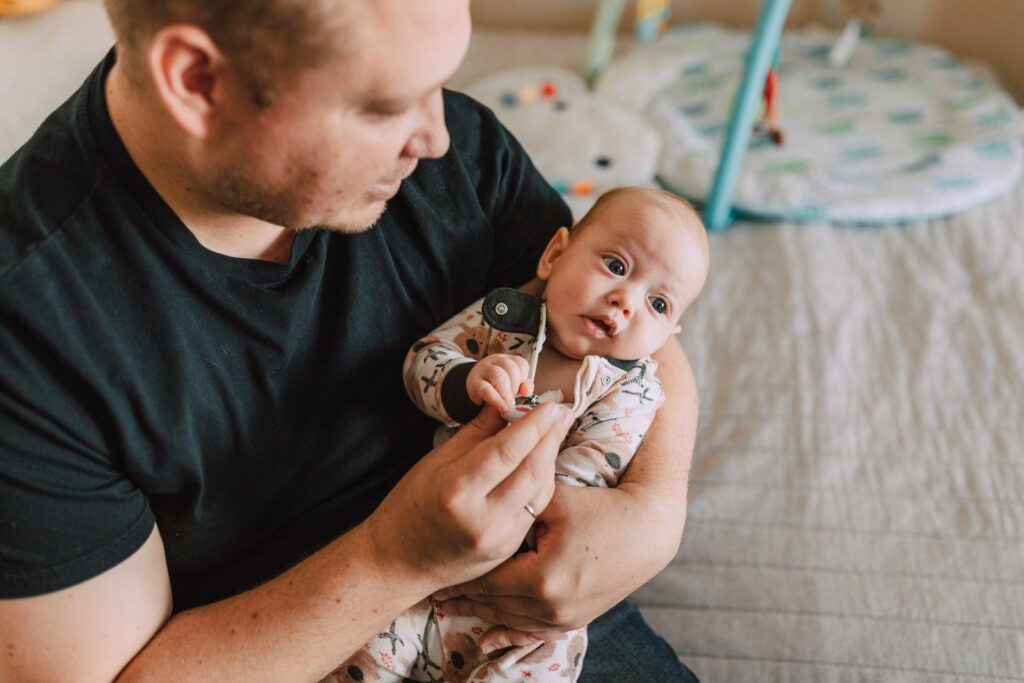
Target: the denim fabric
(624, 648)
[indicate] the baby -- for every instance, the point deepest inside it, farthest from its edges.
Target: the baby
(614, 290)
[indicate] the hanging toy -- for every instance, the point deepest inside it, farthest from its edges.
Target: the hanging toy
(861, 14)
(650, 22)
(769, 123)
(651, 19)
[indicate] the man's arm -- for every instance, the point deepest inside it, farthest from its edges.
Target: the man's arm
(90, 631)
(111, 617)
(660, 472)
(305, 622)
(596, 546)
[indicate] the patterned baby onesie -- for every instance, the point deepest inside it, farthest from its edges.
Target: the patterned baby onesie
(614, 404)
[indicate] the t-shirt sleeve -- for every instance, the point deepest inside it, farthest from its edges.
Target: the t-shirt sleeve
(524, 210)
(66, 512)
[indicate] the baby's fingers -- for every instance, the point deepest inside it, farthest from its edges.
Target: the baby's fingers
(490, 396)
(522, 371)
(517, 371)
(497, 376)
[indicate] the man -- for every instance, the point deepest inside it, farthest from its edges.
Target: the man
(208, 468)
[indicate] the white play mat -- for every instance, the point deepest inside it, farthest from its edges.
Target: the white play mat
(581, 143)
(902, 132)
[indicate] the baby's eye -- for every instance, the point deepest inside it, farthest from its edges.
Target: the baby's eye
(615, 266)
(658, 304)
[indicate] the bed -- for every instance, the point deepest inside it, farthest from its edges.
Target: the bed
(856, 508)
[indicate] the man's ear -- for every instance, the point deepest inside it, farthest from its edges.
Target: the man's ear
(187, 69)
(556, 247)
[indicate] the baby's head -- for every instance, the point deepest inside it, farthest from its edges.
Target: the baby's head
(617, 284)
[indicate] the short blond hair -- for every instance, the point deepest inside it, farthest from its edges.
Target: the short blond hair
(651, 194)
(266, 40)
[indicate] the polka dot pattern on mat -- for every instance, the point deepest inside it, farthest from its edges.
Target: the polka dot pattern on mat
(581, 143)
(905, 131)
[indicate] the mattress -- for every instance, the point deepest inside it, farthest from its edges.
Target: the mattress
(856, 507)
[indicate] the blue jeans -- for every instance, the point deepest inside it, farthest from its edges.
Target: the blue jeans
(624, 648)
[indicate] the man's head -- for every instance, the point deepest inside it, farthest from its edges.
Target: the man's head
(266, 39)
(301, 113)
(617, 285)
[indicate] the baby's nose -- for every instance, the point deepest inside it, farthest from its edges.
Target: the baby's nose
(623, 300)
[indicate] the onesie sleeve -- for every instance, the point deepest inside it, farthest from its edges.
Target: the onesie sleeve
(436, 367)
(608, 433)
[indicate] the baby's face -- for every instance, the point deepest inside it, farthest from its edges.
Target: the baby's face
(618, 288)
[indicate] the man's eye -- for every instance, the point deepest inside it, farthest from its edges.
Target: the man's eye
(615, 266)
(383, 113)
(659, 304)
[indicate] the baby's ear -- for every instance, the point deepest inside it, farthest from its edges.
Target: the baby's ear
(556, 247)
(679, 324)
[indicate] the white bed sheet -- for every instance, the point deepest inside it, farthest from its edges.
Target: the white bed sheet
(856, 509)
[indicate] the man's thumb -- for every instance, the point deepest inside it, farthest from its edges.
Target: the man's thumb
(486, 424)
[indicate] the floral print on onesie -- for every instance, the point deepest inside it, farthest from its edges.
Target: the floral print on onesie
(614, 404)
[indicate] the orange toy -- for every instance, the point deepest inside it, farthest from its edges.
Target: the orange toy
(20, 8)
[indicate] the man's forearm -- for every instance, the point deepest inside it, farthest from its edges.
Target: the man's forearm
(298, 626)
(660, 470)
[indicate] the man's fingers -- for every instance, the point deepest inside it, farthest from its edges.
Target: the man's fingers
(515, 577)
(528, 608)
(486, 424)
(534, 481)
(500, 637)
(490, 614)
(500, 457)
(477, 586)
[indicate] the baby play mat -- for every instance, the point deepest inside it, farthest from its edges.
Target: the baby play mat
(581, 143)
(903, 131)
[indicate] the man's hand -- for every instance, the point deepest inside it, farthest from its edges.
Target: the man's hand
(573, 577)
(460, 510)
(498, 379)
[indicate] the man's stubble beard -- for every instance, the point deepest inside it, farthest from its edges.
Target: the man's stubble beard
(239, 195)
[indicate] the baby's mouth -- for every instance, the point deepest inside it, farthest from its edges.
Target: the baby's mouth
(604, 326)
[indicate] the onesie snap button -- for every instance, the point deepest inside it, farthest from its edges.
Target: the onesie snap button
(606, 380)
(501, 308)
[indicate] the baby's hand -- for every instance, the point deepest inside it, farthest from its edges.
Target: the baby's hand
(497, 380)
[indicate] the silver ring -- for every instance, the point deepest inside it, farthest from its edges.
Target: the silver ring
(529, 509)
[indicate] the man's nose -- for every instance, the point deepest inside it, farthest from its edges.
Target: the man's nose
(430, 139)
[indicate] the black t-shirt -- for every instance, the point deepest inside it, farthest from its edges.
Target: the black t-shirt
(253, 410)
